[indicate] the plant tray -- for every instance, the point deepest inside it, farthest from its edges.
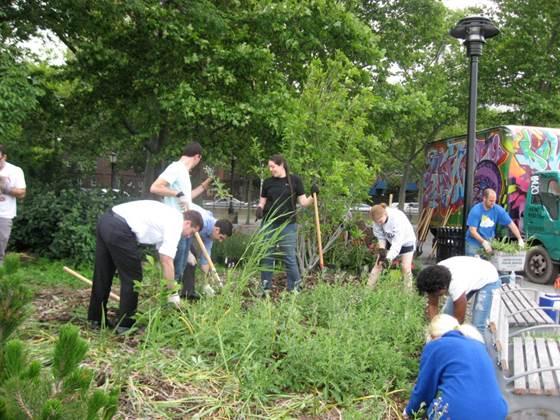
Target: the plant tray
(508, 262)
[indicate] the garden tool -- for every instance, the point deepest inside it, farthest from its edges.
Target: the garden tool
(85, 280)
(207, 256)
(318, 226)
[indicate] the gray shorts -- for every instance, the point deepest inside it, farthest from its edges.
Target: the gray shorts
(5, 230)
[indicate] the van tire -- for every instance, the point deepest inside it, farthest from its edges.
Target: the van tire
(539, 267)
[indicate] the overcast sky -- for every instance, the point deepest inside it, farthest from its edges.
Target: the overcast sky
(462, 4)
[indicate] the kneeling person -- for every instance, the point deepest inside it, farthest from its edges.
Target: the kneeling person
(212, 230)
(396, 239)
(462, 278)
(119, 231)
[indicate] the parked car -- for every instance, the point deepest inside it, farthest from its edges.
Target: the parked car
(362, 207)
(224, 203)
(409, 208)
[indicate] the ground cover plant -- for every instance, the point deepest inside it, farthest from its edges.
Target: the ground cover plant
(337, 348)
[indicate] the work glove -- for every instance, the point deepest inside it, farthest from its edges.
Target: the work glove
(259, 213)
(486, 246)
(314, 189)
(4, 186)
(184, 203)
(208, 290)
(382, 254)
(191, 259)
(386, 263)
(521, 243)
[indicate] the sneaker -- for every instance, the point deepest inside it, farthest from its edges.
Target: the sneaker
(193, 297)
(122, 330)
(174, 299)
(266, 293)
(97, 325)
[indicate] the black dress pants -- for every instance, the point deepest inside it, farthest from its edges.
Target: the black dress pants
(116, 249)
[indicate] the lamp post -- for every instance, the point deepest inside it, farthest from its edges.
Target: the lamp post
(230, 209)
(474, 30)
(113, 160)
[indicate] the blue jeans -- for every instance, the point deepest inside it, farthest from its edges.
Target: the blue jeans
(180, 261)
(471, 249)
(288, 244)
(481, 307)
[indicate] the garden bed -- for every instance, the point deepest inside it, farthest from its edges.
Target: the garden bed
(336, 349)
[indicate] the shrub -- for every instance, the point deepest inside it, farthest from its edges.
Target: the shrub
(232, 248)
(61, 224)
(27, 390)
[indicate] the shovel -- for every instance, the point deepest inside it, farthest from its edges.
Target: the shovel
(88, 281)
(318, 226)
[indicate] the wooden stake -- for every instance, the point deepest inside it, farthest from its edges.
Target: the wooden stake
(318, 228)
(88, 281)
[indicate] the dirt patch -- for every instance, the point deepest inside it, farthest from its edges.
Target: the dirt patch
(60, 304)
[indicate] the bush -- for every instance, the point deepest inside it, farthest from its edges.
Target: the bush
(232, 248)
(61, 224)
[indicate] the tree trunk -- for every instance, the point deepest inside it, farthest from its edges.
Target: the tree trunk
(404, 181)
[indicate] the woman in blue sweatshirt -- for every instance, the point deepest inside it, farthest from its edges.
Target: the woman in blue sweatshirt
(457, 381)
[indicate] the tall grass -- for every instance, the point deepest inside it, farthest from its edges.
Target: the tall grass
(335, 349)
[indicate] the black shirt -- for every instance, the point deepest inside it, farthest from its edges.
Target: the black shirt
(280, 204)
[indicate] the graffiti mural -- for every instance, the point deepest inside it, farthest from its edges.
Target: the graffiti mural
(505, 157)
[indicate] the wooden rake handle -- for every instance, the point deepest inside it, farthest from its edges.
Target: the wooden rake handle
(88, 281)
(318, 226)
(207, 256)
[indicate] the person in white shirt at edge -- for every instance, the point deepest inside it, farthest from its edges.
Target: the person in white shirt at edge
(118, 233)
(396, 238)
(174, 185)
(462, 278)
(12, 187)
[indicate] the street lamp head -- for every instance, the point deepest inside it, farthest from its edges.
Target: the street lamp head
(474, 30)
(113, 157)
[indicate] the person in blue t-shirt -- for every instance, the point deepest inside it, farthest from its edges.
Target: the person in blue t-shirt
(212, 230)
(482, 221)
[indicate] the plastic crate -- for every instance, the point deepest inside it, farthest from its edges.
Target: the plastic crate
(551, 299)
(508, 262)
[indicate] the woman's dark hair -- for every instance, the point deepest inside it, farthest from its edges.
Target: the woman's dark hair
(433, 279)
(278, 159)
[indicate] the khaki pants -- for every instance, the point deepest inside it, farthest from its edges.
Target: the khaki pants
(5, 230)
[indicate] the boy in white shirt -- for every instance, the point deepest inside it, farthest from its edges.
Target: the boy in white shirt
(461, 278)
(174, 185)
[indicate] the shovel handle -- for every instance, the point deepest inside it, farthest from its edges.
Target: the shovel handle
(88, 281)
(318, 226)
(207, 256)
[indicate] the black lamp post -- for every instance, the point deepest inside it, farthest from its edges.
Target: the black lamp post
(230, 209)
(113, 160)
(474, 30)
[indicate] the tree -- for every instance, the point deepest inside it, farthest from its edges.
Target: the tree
(18, 94)
(325, 138)
(521, 74)
(149, 76)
